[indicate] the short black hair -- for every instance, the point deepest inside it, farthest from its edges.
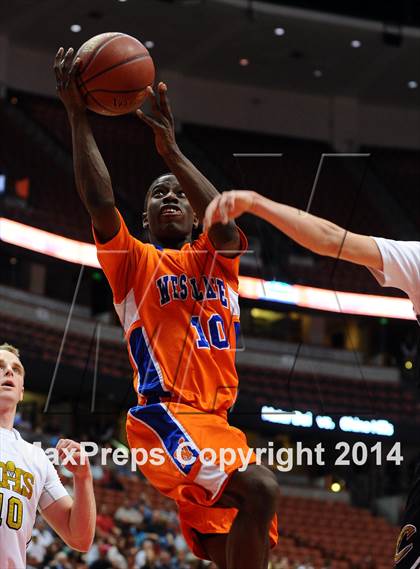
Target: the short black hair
(152, 185)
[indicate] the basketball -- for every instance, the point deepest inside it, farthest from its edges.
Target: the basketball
(114, 72)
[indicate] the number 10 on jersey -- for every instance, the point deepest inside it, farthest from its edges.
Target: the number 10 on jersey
(14, 512)
(216, 333)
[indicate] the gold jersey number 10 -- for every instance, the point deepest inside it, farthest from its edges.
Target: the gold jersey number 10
(14, 512)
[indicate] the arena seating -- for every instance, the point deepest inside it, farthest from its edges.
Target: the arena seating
(128, 149)
(341, 195)
(302, 392)
(340, 192)
(339, 531)
(36, 340)
(399, 171)
(327, 395)
(309, 529)
(53, 203)
(126, 144)
(134, 488)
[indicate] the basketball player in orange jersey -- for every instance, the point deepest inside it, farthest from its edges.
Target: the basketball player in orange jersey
(178, 303)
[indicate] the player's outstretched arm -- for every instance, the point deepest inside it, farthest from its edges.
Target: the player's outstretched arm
(92, 177)
(316, 234)
(199, 190)
(74, 519)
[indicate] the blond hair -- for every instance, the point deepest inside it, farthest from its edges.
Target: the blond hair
(9, 348)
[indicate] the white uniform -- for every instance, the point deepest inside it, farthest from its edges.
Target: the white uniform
(28, 480)
(401, 268)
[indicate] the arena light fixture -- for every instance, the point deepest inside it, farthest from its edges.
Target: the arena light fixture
(47, 243)
(279, 31)
(356, 44)
(282, 417)
(325, 422)
(252, 288)
(267, 315)
(412, 84)
(318, 73)
(347, 424)
(243, 62)
(149, 44)
(76, 28)
(381, 427)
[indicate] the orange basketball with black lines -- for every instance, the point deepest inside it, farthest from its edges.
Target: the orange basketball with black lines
(114, 73)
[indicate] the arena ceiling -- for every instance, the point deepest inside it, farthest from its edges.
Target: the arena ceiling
(406, 12)
(207, 39)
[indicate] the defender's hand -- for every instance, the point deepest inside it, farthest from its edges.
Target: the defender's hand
(65, 69)
(162, 121)
(71, 456)
(227, 206)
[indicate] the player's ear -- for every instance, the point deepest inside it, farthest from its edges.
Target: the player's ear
(145, 221)
(22, 394)
(196, 221)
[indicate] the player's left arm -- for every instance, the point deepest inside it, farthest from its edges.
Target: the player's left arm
(319, 235)
(74, 519)
(199, 190)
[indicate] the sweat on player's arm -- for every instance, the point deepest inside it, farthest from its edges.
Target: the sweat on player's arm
(316, 234)
(74, 519)
(199, 190)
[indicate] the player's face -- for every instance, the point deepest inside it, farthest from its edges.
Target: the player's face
(11, 378)
(169, 216)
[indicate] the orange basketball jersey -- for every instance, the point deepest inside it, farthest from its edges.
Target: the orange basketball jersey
(180, 314)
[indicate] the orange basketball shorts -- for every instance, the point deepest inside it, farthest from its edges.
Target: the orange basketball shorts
(187, 456)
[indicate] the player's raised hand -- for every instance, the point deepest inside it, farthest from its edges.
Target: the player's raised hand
(227, 206)
(161, 121)
(65, 69)
(71, 456)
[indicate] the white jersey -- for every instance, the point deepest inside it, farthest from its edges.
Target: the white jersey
(28, 480)
(401, 268)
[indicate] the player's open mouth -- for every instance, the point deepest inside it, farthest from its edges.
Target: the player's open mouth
(8, 384)
(170, 211)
